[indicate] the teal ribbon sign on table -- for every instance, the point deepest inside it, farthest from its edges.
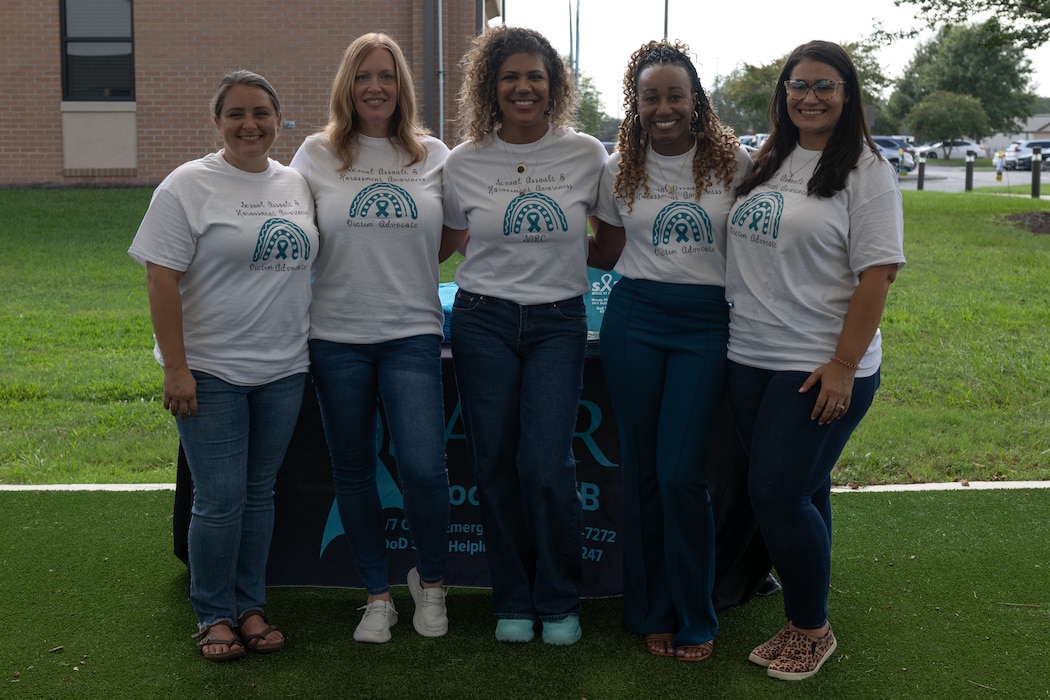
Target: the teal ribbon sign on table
(596, 299)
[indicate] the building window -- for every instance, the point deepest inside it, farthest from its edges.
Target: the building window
(98, 59)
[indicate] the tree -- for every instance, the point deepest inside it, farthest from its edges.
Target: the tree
(741, 99)
(945, 115)
(610, 130)
(970, 60)
(1024, 22)
(874, 82)
(590, 114)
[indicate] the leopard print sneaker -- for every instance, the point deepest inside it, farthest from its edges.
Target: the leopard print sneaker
(765, 654)
(802, 656)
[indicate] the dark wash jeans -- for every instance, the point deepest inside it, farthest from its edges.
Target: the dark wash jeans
(790, 477)
(519, 370)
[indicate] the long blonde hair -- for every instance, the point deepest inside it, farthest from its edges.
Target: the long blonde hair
(343, 127)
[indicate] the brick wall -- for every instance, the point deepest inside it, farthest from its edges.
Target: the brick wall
(182, 49)
(30, 92)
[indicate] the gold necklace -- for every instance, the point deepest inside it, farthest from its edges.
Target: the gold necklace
(791, 163)
(671, 184)
(522, 167)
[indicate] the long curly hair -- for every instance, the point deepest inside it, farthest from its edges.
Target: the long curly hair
(716, 146)
(847, 142)
(343, 126)
(479, 112)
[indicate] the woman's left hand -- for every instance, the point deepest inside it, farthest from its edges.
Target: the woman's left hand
(836, 389)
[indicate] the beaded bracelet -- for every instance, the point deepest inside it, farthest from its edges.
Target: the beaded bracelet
(845, 363)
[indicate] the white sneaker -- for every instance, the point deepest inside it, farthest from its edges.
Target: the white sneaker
(375, 624)
(430, 618)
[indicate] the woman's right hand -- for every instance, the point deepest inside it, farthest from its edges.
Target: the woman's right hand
(180, 392)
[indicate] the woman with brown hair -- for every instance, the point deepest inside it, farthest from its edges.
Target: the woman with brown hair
(665, 197)
(523, 184)
(815, 240)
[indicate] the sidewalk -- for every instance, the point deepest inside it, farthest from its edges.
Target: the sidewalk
(948, 178)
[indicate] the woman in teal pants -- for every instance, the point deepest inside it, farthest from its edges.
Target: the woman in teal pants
(664, 200)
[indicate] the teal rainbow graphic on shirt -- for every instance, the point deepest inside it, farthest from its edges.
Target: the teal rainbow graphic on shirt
(383, 200)
(682, 222)
(760, 213)
(281, 240)
(534, 213)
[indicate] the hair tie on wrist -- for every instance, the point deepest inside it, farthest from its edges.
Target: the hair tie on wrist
(844, 363)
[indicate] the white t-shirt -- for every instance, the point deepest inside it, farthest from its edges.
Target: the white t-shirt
(528, 231)
(793, 263)
(377, 273)
(246, 243)
(672, 237)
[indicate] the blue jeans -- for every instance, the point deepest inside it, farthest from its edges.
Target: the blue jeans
(519, 370)
(790, 477)
(406, 373)
(234, 448)
(664, 356)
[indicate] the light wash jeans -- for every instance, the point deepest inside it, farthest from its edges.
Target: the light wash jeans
(234, 448)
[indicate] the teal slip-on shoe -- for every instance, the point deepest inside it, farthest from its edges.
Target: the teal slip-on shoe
(563, 632)
(515, 630)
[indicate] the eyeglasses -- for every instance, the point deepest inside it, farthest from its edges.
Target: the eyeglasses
(823, 89)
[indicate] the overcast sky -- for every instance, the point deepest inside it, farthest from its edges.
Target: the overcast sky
(722, 35)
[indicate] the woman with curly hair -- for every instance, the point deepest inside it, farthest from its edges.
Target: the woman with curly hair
(664, 200)
(522, 185)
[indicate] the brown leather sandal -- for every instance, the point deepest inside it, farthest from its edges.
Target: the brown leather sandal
(234, 647)
(705, 649)
(252, 641)
(660, 644)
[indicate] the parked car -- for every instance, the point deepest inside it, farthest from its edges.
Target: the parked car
(896, 143)
(752, 142)
(892, 152)
(955, 148)
(1019, 154)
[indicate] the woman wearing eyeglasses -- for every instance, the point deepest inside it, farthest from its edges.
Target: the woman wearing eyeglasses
(815, 240)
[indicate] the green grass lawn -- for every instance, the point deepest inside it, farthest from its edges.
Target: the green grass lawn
(934, 595)
(965, 374)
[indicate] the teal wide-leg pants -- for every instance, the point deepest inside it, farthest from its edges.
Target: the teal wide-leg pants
(663, 350)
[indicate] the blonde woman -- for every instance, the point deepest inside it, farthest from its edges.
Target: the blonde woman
(376, 321)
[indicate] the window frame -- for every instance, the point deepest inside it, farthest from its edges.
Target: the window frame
(66, 40)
